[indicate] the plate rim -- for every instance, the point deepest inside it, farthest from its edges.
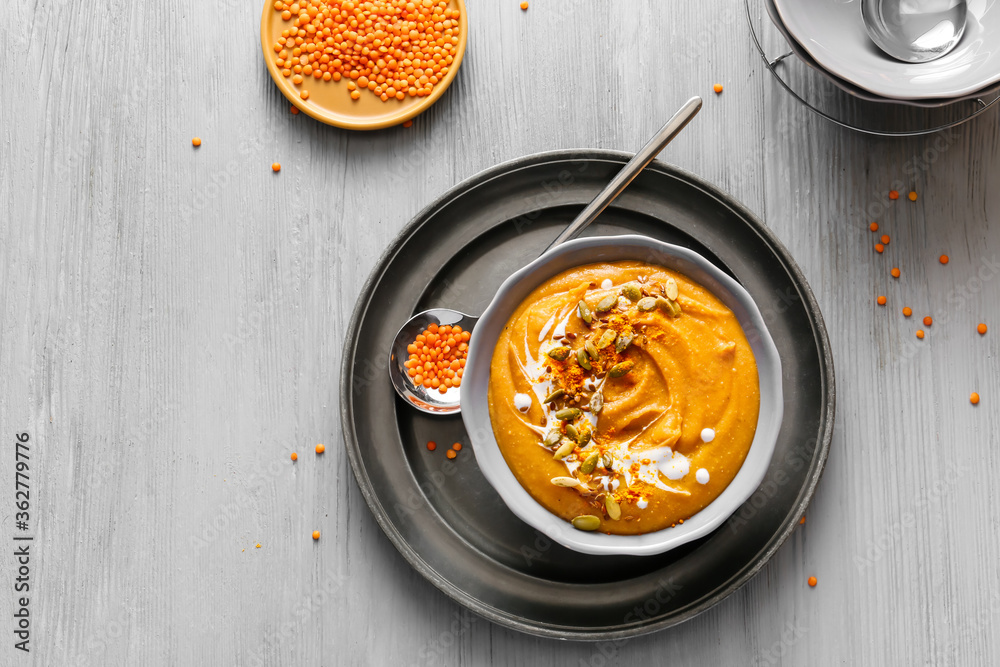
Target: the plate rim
(625, 630)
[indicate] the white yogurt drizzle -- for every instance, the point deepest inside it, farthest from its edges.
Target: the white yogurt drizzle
(544, 333)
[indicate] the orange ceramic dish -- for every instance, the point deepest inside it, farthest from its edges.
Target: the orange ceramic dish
(331, 101)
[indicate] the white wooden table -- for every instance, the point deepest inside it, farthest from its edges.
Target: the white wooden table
(171, 323)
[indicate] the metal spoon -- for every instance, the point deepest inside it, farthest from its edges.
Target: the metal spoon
(915, 31)
(432, 401)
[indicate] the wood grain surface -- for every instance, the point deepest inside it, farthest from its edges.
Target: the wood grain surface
(171, 324)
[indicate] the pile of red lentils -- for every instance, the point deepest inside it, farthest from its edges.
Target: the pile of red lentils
(437, 357)
(393, 48)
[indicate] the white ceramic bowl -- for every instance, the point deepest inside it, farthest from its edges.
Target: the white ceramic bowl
(850, 88)
(833, 33)
(475, 386)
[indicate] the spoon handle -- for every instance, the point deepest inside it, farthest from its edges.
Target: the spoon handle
(630, 171)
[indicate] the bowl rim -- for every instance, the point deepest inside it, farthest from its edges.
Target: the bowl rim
(475, 412)
(339, 120)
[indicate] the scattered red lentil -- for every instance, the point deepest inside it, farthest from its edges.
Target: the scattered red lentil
(437, 357)
(881, 300)
(457, 446)
(275, 167)
(802, 520)
(315, 534)
(907, 311)
(928, 321)
(873, 226)
(408, 123)
(912, 196)
(451, 454)
(894, 272)
(879, 248)
(920, 334)
(294, 110)
(295, 457)
(431, 446)
(812, 582)
(524, 5)
(974, 398)
(257, 546)
(893, 194)
(393, 48)
(981, 329)
(196, 142)
(885, 239)
(320, 449)
(944, 259)
(717, 88)
(304, 94)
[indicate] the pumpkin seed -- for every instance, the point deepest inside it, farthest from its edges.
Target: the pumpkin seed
(583, 360)
(647, 304)
(614, 509)
(572, 432)
(622, 369)
(587, 522)
(583, 310)
(607, 460)
(566, 482)
(589, 464)
(632, 293)
(558, 393)
(559, 353)
(622, 343)
(552, 438)
(565, 449)
(568, 414)
(606, 304)
(606, 339)
(591, 349)
(584, 434)
(671, 308)
(670, 289)
(597, 403)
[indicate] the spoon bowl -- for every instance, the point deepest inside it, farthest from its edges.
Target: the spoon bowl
(431, 401)
(915, 31)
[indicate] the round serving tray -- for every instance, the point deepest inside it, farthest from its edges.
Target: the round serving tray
(444, 517)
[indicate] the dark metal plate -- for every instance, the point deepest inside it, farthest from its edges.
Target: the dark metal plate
(443, 516)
